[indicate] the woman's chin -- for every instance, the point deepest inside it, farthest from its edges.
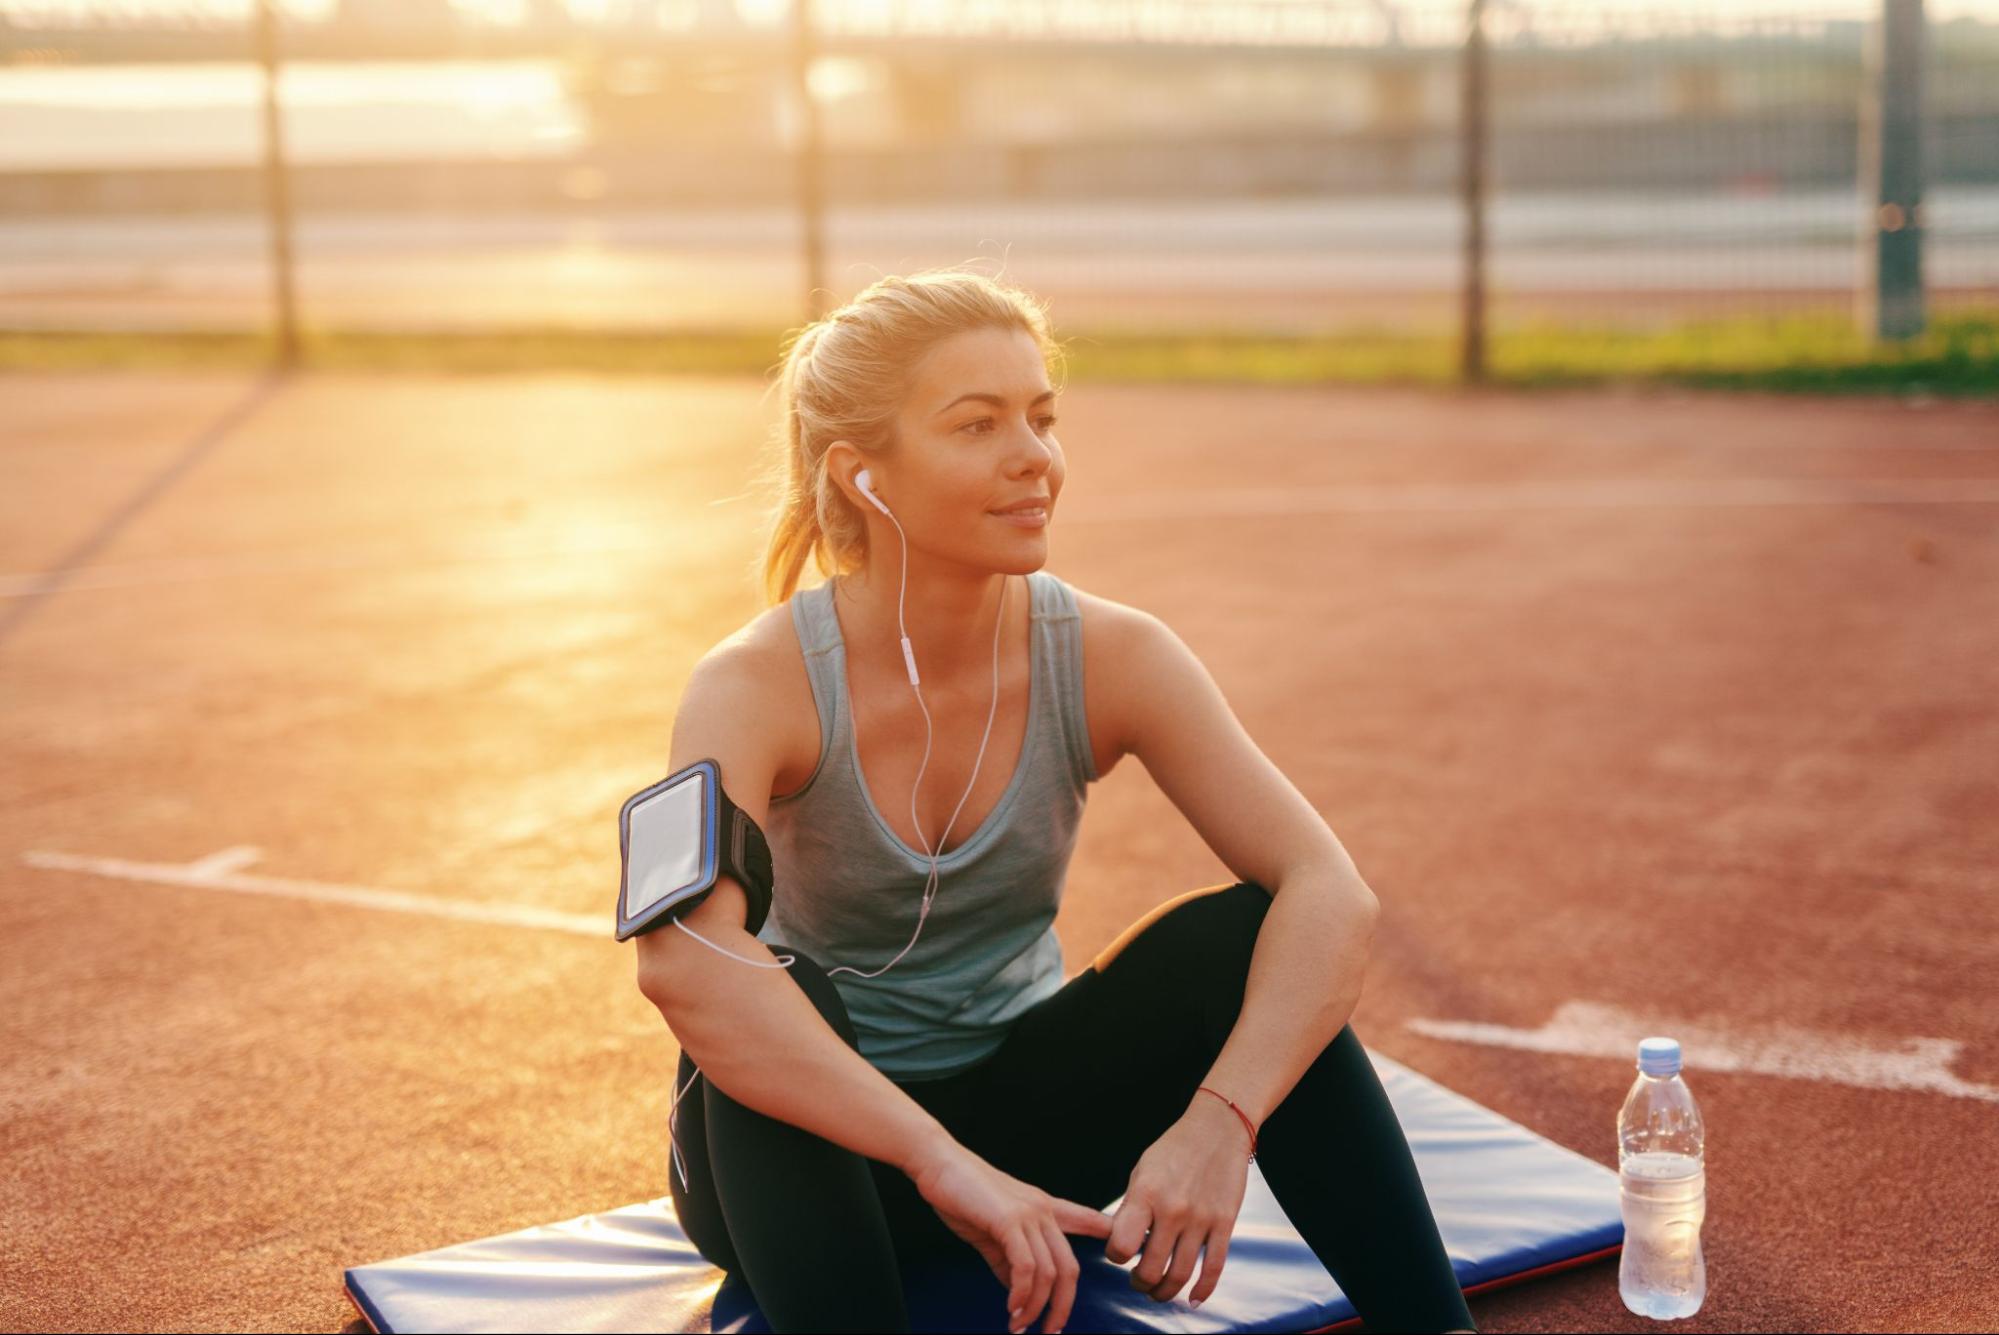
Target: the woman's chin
(1024, 559)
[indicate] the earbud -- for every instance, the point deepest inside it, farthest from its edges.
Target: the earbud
(867, 485)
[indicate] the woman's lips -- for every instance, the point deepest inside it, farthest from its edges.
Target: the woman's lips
(1030, 518)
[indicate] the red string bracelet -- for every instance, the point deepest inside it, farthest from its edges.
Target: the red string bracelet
(1239, 1113)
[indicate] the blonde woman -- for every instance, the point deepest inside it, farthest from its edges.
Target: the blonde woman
(910, 1073)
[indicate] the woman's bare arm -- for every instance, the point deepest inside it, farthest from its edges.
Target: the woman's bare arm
(759, 1039)
(753, 1032)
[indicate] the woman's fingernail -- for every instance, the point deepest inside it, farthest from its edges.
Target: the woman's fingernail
(1195, 1301)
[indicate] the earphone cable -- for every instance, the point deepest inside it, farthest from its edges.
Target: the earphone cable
(930, 884)
(929, 887)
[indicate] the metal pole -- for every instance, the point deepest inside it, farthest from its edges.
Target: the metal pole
(811, 203)
(277, 191)
(1891, 158)
(1472, 119)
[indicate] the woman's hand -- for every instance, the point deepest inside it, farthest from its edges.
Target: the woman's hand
(1184, 1196)
(1017, 1227)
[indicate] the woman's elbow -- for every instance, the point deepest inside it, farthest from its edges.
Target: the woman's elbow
(657, 970)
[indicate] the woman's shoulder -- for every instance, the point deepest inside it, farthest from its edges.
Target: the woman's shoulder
(759, 669)
(1108, 624)
(753, 651)
(770, 654)
(1111, 632)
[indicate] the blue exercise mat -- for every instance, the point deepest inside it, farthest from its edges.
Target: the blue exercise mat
(1510, 1204)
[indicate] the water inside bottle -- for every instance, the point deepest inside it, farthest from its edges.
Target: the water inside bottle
(1662, 1272)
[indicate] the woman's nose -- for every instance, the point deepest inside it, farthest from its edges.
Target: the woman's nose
(1034, 450)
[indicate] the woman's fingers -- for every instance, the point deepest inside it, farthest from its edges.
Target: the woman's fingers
(1044, 1274)
(1213, 1256)
(1020, 1275)
(1128, 1230)
(996, 1260)
(1066, 1271)
(1186, 1252)
(1074, 1218)
(1157, 1256)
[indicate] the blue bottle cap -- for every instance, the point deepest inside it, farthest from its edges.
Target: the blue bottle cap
(1659, 1056)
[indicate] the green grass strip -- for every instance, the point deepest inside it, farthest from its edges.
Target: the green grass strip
(1823, 354)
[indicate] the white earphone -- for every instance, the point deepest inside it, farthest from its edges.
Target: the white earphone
(865, 482)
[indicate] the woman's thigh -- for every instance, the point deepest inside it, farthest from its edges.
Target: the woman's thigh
(744, 1164)
(1083, 1084)
(1088, 1079)
(695, 1202)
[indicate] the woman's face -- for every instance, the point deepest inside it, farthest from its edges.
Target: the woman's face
(976, 433)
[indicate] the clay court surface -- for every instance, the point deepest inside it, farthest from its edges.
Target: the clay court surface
(1642, 712)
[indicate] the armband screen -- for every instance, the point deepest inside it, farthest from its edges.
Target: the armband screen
(667, 838)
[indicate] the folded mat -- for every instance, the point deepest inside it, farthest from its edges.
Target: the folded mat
(1510, 1204)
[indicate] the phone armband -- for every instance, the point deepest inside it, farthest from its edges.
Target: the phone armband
(676, 838)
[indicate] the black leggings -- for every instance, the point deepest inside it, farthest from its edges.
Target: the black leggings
(1083, 1083)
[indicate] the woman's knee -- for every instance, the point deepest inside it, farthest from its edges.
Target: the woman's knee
(714, 1112)
(1211, 917)
(813, 980)
(1192, 954)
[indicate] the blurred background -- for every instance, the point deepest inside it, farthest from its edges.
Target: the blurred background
(1741, 183)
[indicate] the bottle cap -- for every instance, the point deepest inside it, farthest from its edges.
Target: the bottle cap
(1659, 1056)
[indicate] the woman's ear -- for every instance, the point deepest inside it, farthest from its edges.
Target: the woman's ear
(844, 464)
(836, 463)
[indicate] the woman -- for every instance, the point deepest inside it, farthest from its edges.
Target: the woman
(925, 1079)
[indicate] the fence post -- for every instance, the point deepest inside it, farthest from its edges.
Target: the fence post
(1891, 173)
(1472, 118)
(277, 191)
(811, 203)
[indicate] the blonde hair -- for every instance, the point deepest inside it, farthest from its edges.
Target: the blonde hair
(845, 377)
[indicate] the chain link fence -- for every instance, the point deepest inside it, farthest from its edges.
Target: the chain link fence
(1260, 167)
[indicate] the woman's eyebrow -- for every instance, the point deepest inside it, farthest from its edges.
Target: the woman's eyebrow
(998, 401)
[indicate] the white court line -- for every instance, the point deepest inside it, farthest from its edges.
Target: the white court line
(218, 871)
(1251, 502)
(1588, 1029)
(1579, 1028)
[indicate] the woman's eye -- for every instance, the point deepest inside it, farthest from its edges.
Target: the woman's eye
(1046, 422)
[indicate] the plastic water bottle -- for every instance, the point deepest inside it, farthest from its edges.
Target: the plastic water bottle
(1663, 1185)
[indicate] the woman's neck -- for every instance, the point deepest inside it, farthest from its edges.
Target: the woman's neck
(949, 621)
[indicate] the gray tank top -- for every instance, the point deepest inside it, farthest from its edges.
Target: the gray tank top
(848, 889)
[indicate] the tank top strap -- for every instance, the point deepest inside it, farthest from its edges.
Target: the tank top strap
(812, 614)
(1062, 668)
(818, 628)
